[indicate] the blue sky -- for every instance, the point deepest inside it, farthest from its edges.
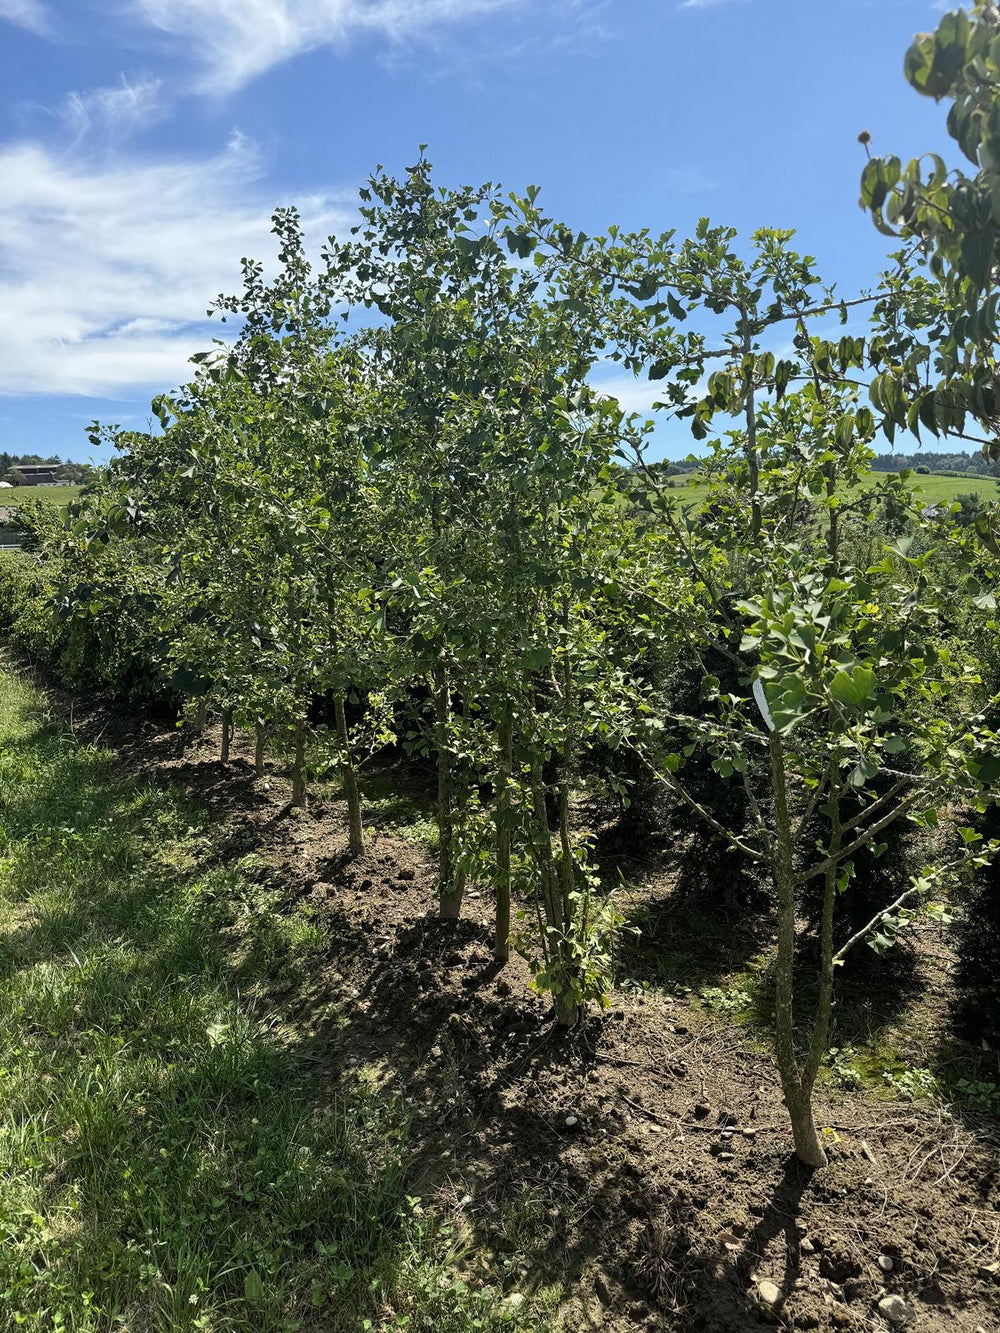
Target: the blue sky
(144, 143)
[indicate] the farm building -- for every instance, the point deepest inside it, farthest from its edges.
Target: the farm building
(35, 474)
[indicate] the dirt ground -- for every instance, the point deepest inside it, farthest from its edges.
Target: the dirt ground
(642, 1160)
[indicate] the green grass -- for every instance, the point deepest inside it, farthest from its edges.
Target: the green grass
(57, 495)
(934, 487)
(169, 1160)
(939, 489)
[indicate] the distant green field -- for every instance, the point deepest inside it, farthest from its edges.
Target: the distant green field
(56, 495)
(937, 489)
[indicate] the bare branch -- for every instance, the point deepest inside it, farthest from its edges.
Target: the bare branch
(671, 783)
(858, 843)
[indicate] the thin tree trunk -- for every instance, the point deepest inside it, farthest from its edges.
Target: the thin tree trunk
(450, 901)
(356, 833)
(227, 734)
(260, 741)
(299, 768)
(798, 1098)
(824, 1003)
(567, 1014)
(753, 461)
(201, 717)
(501, 942)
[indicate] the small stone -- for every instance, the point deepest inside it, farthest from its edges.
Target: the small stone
(885, 1263)
(571, 1121)
(727, 1156)
(895, 1310)
(769, 1293)
(749, 1133)
(806, 1246)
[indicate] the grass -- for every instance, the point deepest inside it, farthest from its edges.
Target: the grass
(169, 1160)
(935, 488)
(57, 495)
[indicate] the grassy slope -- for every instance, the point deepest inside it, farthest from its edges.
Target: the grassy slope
(58, 495)
(169, 1158)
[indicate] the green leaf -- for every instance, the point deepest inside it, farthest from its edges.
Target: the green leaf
(855, 689)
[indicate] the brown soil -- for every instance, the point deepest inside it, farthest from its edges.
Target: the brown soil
(647, 1153)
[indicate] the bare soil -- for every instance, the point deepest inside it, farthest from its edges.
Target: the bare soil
(643, 1160)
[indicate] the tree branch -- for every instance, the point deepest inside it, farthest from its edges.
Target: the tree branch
(858, 843)
(671, 783)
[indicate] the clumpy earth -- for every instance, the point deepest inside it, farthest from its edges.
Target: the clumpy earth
(642, 1161)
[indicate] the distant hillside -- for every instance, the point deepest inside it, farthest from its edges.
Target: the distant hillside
(974, 463)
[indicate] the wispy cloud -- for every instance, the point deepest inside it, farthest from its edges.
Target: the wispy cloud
(114, 113)
(235, 41)
(106, 270)
(30, 14)
(707, 4)
(690, 180)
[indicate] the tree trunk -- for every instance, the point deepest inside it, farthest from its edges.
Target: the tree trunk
(808, 1148)
(542, 842)
(796, 1088)
(567, 1014)
(450, 893)
(501, 940)
(299, 768)
(356, 833)
(201, 717)
(753, 460)
(227, 734)
(260, 740)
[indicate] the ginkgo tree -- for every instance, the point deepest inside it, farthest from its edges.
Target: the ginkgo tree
(839, 666)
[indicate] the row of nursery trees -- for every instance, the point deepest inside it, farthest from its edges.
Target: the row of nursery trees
(391, 511)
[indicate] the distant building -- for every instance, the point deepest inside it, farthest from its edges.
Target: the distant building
(35, 474)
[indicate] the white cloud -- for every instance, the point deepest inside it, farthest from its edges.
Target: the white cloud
(106, 271)
(116, 112)
(633, 393)
(237, 40)
(30, 14)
